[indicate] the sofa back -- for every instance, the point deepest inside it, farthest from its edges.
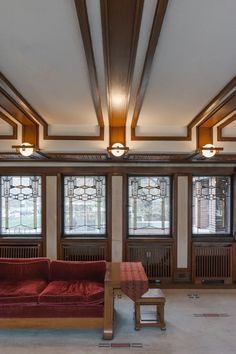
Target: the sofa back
(13, 269)
(68, 270)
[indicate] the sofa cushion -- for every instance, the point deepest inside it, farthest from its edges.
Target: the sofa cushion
(20, 270)
(90, 271)
(73, 291)
(21, 291)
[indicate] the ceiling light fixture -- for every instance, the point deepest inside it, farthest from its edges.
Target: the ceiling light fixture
(118, 150)
(209, 150)
(26, 149)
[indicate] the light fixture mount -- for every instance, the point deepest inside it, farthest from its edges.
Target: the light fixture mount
(118, 150)
(26, 149)
(209, 150)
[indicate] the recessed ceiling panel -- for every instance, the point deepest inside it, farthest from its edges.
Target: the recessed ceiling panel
(5, 128)
(42, 55)
(195, 58)
(230, 130)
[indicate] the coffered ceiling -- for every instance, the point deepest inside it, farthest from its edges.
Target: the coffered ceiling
(155, 75)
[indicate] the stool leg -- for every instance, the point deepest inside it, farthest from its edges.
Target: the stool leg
(137, 316)
(162, 320)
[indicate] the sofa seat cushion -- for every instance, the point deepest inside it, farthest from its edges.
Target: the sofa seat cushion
(21, 291)
(72, 292)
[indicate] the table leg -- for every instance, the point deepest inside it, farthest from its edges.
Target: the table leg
(108, 312)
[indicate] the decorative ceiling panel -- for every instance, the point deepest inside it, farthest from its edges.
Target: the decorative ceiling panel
(195, 58)
(42, 55)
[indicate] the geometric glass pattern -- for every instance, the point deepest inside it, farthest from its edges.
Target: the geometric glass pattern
(149, 205)
(20, 205)
(85, 205)
(211, 205)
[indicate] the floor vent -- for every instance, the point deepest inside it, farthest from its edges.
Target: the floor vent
(120, 345)
(210, 315)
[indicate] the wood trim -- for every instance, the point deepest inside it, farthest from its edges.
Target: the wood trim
(12, 124)
(60, 207)
(161, 170)
(30, 129)
(82, 14)
(220, 128)
(221, 108)
(153, 41)
(215, 103)
(120, 46)
(51, 322)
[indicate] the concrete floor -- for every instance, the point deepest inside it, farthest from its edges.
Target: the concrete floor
(187, 332)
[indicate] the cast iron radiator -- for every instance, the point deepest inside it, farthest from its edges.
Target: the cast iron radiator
(212, 263)
(20, 251)
(156, 259)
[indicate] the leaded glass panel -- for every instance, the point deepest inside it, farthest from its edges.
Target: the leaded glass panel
(149, 205)
(85, 205)
(211, 203)
(21, 205)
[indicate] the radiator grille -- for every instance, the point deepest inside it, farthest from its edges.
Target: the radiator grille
(156, 259)
(86, 252)
(212, 263)
(19, 251)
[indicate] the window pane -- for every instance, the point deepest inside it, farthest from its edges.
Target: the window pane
(149, 205)
(211, 205)
(21, 205)
(85, 205)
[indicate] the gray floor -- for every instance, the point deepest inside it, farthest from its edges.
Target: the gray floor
(187, 331)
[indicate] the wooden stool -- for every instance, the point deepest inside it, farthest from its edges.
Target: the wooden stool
(151, 297)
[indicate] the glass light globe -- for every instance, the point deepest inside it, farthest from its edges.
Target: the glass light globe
(117, 151)
(208, 153)
(26, 149)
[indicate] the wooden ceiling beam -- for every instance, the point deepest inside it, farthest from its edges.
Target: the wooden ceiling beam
(121, 21)
(82, 15)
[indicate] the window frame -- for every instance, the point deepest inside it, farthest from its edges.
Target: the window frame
(28, 236)
(85, 236)
(205, 237)
(151, 236)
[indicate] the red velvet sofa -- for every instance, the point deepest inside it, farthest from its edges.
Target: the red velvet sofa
(43, 293)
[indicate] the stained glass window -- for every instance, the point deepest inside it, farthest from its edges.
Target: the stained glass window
(149, 205)
(85, 205)
(211, 205)
(21, 205)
